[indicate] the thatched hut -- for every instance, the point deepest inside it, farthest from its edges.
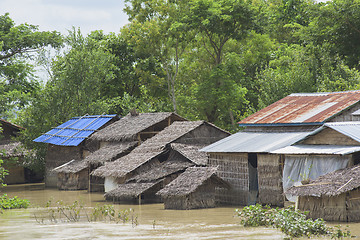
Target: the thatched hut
(178, 158)
(153, 151)
(69, 141)
(333, 197)
(195, 188)
(120, 138)
(13, 153)
(112, 142)
(73, 175)
(131, 192)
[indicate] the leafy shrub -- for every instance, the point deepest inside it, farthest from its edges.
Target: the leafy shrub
(11, 203)
(291, 222)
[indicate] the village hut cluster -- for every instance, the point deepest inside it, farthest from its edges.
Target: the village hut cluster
(162, 157)
(14, 155)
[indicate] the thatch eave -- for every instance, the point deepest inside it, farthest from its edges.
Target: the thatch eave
(190, 180)
(129, 190)
(73, 166)
(331, 184)
(128, 127)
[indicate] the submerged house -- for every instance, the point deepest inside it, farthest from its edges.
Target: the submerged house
(68, 142)
(247, 159)
(195, 188)
(333, 197)
(114, 141)
(13, 153)
(156, 162)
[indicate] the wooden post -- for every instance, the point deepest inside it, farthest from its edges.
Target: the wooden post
(140, 199)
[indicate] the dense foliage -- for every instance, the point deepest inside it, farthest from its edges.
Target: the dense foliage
(11, 203)
(216, 60)
(291, 222)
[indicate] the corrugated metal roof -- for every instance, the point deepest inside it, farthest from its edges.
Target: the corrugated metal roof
(318, 149)
(74, 131)
(255, 142)
(301, 108)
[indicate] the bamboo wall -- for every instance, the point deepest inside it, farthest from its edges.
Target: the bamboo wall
(203, 197)
(327, 208)
(56, 156)
(270, 180)
(233, 168)
(73, 181)
(353, 205)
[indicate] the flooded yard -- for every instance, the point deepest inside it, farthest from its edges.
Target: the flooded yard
(153, 221)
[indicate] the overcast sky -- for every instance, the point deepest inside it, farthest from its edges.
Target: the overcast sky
(61, 15)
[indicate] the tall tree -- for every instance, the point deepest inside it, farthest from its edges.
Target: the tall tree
(18, 44)
(157, 24)
(217, 22)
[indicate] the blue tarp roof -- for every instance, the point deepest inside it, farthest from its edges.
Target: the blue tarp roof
(74, 131)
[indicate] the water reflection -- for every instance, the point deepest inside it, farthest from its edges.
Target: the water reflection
(154, 221)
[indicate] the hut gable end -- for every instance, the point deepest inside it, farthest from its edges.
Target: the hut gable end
(330, 137)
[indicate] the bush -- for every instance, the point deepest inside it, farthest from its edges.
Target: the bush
(11, 203)
(290, 221)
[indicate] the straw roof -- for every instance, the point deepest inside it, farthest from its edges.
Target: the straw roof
(191, 152)
(109, 152)
(331, 184)
(129, 190)
(73, 166)
(165, 169)
(190, 180)
(129, 126)
(12, 149)
(148, 150)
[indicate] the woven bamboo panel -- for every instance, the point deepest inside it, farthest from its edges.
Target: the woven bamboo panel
(233, 168)
(353, 206)
(270, 180)
(327, 208)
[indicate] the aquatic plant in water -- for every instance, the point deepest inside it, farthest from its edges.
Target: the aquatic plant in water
(76, 211)
(290, 221)
(12, 203)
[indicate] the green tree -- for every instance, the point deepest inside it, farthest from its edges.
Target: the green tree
(216, 24)
(158, 24)
(18, 44)
(335, 24)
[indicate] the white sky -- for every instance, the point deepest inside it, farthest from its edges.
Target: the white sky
(62, 15)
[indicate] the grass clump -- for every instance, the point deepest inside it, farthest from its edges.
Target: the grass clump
(290, 221)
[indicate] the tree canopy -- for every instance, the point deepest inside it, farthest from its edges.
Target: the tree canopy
(216, 60)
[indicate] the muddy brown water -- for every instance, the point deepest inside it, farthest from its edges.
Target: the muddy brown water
(154, 222)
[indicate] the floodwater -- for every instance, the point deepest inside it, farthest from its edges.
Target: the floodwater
(153, 221)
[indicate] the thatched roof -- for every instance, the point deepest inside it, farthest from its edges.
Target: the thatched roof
(190, 180)
(129, 190)
(73, 166)
(109, 152)
(13, 149)
(129, 126)
(148, 150)
(330, 184)
(164, 169)
(191, 152)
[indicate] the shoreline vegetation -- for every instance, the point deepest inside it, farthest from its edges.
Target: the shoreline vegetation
(293, 223)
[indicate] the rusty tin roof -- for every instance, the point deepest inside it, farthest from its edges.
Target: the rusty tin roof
(303, 108)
